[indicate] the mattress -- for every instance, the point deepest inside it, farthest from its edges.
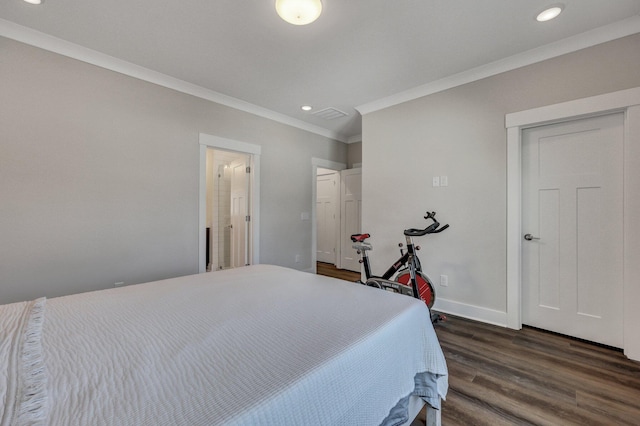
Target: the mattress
(259, 345)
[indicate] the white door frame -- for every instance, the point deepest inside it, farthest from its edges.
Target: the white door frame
(210, 141)
(627, 101)
(325, 164)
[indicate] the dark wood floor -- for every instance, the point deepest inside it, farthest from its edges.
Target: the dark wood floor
(499, 376)
(331, 271)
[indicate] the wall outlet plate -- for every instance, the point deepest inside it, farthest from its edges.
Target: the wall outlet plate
(444, 280)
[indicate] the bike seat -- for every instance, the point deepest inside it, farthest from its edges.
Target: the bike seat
(358, 238)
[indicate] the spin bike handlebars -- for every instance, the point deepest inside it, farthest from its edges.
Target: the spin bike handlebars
(431, 229)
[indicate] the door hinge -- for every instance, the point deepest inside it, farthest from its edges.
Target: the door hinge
(248, 169)
(247, 219)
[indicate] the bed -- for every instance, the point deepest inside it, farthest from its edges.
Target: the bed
(259, 345)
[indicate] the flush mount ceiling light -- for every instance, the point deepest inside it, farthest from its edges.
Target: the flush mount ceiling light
(299, 12)
(33, 1)
(549, 13)
(306, 107)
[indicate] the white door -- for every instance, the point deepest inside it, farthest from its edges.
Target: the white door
(326, 215)
(572, 212)
(239, 213)
(351, 214)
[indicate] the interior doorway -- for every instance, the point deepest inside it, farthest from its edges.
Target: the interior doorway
(227, 209)
(233, 161)
(317, 165)
(327, 215)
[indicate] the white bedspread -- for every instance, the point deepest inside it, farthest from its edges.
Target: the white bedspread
(261, 345)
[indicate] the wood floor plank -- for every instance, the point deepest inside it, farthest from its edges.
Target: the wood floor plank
(618, 412)
(461, 409)
(496, 404)
(546, 406)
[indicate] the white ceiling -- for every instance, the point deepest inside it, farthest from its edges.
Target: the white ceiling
(359, 53)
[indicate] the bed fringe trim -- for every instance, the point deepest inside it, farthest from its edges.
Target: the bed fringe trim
(32, 398)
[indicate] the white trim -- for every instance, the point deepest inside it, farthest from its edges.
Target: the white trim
(624, 100)
(594, 37)
(44, 41)
(632, 232)
(325, 164)
(573, 109)
(477, 313)
(514, 244)
(202, 211)
(229, 144)
(210, 141)
(354, 139)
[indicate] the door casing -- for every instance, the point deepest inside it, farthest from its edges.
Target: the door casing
(628, 102)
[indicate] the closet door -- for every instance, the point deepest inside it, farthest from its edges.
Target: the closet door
(350, 217)
(328, 215)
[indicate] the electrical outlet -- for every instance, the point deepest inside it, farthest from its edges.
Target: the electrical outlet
(444, 280)
(118, 284)
(297, 258)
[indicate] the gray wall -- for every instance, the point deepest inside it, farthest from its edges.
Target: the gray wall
(461, 133)
(354, 154)
(99, 176)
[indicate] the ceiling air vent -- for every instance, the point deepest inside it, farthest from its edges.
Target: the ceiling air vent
(330, 113)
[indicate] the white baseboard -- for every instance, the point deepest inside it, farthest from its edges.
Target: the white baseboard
(477, 313)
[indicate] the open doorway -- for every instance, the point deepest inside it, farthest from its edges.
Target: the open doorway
(227, 209)
(229, 225)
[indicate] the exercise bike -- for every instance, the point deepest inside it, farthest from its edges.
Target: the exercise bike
(410, 280)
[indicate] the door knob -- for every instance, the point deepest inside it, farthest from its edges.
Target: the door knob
(530, 237)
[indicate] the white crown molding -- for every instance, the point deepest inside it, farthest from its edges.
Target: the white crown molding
(355, 139)
(44, 41)
(590, 38)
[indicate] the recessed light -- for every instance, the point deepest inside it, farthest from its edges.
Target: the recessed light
(33, 1)
(306, 107)
(549, 13)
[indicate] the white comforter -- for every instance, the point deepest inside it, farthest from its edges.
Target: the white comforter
(261, 345)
